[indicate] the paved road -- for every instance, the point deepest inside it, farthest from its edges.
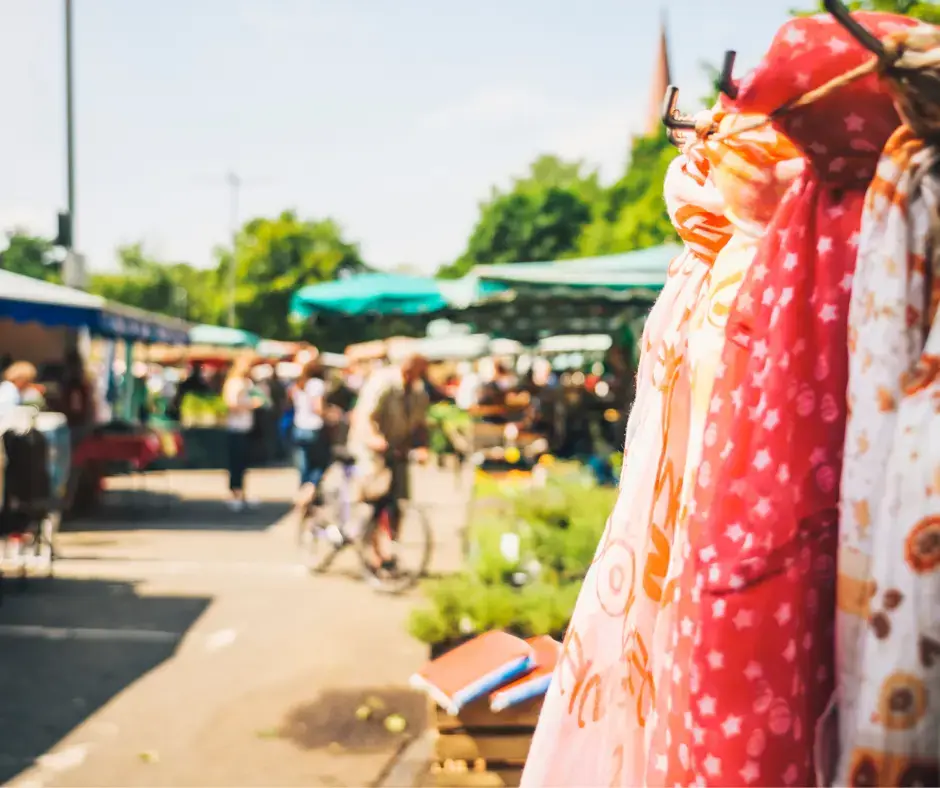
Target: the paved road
(184, 645)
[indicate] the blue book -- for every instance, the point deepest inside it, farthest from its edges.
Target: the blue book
(534, 683)
(474, 669)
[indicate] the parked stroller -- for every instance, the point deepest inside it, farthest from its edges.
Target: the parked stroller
(35, 459)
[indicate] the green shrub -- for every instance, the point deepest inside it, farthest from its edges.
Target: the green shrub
(558, 527)
(463, 605)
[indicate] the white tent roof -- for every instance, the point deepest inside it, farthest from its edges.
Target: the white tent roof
(16, 287)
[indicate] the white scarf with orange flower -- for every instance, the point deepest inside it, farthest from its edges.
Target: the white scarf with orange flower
(888, 638)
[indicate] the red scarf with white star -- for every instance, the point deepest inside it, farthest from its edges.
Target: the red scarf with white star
(765, 524)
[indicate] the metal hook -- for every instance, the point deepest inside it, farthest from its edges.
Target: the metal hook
(858, 31)
(725, 81)
(672, 118)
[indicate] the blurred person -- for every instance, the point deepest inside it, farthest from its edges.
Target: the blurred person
(18, 379)
(77, 397)
(195, 383)
(388, 423)
(622, 382)
(436, 394)
(340, 400)
(311, 447)
(140, 392)
(468, 390)
(241, 405)
(286, 421)
(504, 382)
(215, 381)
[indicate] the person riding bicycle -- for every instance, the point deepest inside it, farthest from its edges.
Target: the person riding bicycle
(387, 425)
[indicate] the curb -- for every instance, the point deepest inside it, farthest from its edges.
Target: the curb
(410, 764)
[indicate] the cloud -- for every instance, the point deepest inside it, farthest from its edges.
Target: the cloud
(495, 106)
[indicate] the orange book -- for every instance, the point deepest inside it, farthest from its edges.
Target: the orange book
(535, 682)
(474, 669)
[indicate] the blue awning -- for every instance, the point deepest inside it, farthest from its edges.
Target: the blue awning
(28, 300)
(124, 322)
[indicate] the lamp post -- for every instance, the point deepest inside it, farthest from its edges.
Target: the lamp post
(69, 120)
(72, 273)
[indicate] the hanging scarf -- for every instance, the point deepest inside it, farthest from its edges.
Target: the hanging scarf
(764, 528)
(889, 557)
(591, 730)
(752, 170)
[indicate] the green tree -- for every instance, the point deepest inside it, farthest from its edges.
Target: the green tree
(633, 214)
(549, 171)
(276, 257)
(926, 10)
(524, 226)
(539, 218)
(176, 289)
(30, 255)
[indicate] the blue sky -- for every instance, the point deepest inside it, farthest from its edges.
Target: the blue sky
(395, 117)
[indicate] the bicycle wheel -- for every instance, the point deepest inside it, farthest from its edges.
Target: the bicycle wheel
(323, 528)
(410, 551)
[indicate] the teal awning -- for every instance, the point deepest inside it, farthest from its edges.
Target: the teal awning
(383, 294)
(220, 336)
(616, 277)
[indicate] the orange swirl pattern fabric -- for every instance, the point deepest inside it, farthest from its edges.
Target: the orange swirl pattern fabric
(888, 628)
(592, 728)
(764, 529)
(752, 170)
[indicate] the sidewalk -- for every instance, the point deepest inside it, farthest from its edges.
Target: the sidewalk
(174, 653)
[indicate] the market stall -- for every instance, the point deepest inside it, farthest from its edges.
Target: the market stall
(531, 301)
(202, 411)
(382, 294)
(39, 322)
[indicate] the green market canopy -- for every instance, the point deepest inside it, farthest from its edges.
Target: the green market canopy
(530, 301)
(382, 294)
(526, 301)
(220, 336)
(619, 277)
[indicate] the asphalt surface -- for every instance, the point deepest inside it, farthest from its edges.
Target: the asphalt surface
(180, 644)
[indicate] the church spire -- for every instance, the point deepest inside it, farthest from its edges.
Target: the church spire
(661, 80)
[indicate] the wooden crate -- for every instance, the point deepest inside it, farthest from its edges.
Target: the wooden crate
(479, 748)
(490, 778)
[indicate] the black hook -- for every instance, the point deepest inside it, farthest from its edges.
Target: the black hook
(672, 118)
(725, 81)
(858, 31)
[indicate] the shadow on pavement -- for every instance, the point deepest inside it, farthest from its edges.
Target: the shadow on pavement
(70, 646)
(357, 720)
(146, 510)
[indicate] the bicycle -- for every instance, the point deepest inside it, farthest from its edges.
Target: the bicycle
(337, 520)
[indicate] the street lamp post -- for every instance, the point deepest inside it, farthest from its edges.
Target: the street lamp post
(69, 121)
(72, 268)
